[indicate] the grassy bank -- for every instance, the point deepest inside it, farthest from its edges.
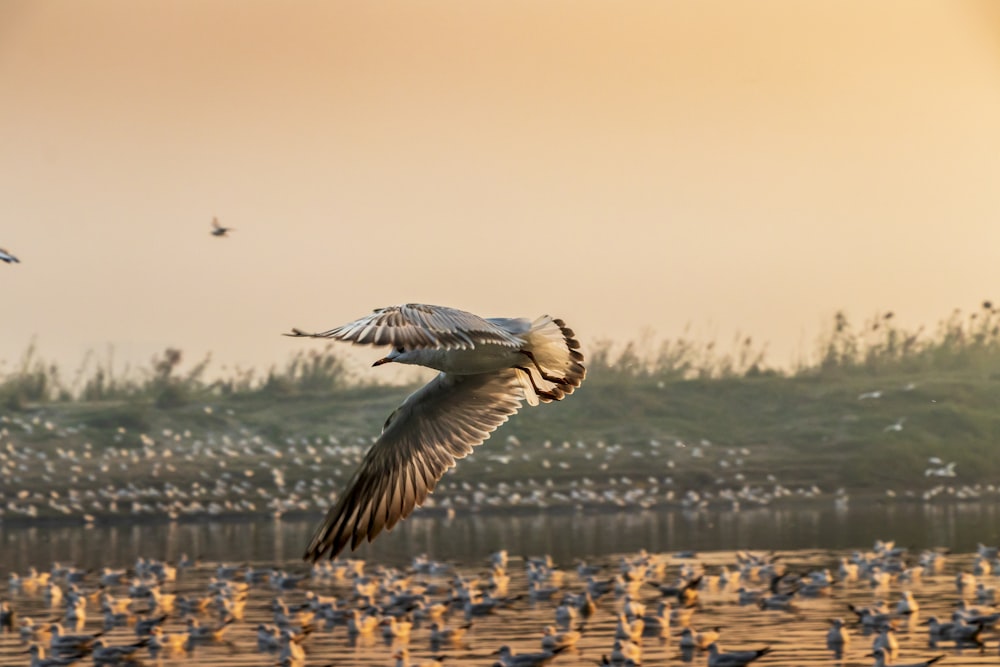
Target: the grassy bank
(875, 405)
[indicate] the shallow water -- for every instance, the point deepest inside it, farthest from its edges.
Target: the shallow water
(466, 538)
(797, 638)
(807, 539)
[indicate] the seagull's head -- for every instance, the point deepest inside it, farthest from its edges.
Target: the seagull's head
(399, 355)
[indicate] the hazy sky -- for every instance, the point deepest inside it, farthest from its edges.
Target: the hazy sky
(735, 166)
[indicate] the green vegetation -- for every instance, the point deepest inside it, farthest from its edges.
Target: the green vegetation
(826, 422)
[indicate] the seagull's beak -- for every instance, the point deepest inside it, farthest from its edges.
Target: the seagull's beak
(383, 360)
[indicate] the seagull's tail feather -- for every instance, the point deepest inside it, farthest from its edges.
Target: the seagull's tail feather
(557, 355)
(528, 388)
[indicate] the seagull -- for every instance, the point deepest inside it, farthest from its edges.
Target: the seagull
(5, 256)
(716, 658)
(882, 660)
(38, 658)
(488, 367)
(61, 642)
(837, 638)
(7, 617)
(402, 658)
(103, 654)
(552, 640)
(218, 229)
(196, 632)
(172, 644)
(442, 634)
(886, 641)
(907, 605)
(510, 659)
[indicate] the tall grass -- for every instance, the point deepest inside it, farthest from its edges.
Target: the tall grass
(307, 371)
(960, 343)
(31, 381)
(675, 360)
(165, 382)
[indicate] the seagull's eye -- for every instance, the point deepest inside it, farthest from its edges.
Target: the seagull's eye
(399, 350)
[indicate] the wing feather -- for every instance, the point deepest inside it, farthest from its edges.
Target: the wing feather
(436, 425)
(416, 326)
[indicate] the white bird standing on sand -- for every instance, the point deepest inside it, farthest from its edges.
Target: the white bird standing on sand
(488, 367)
(8, 258)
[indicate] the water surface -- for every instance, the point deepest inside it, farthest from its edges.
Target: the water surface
(807, 539)
(466, 538)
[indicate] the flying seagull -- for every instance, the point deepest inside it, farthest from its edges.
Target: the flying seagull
(488, 366)
(219, 230)
(8, 258)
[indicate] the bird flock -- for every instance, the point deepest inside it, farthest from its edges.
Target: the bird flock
(883, 606)
(53, 467)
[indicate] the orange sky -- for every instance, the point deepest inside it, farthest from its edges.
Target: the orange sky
(748, 166)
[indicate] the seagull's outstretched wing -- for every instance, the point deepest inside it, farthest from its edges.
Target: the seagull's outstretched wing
(436, 425)
(415, 325)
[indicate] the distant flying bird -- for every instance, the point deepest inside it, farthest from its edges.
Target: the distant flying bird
(5, 256)
(488, 367)
(219, 230)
